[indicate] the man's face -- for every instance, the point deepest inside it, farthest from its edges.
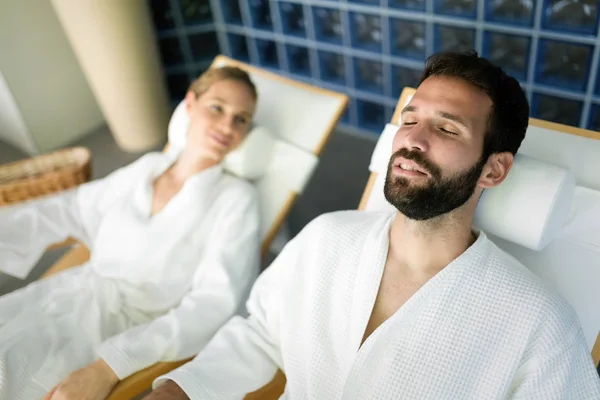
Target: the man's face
(437, 152)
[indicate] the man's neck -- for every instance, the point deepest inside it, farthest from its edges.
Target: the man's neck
(426, 247)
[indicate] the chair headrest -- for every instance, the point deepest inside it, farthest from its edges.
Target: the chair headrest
(529, 208)
(249, 161)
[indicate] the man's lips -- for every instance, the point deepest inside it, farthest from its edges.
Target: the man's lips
(408, 167)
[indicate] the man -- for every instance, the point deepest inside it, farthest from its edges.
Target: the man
(415, 305)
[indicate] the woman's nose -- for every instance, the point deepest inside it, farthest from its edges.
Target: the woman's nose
(227, 125)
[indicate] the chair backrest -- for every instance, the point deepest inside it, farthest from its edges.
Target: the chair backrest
(571, 261)
(302, 118)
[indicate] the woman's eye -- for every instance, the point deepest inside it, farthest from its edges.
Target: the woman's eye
(241, 120)
(410, 123)
(217, 107)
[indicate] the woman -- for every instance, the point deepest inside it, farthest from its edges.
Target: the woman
(174, 247)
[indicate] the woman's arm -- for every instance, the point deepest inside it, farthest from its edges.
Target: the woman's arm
(28, 229)
(228, 268)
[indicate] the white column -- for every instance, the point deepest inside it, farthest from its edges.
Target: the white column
(115, 44)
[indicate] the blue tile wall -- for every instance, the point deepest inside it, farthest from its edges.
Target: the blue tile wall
(372, 49)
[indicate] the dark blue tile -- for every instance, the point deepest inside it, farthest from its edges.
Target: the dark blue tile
(407, 39)
(238, 45)
(202, 69)
(594, 118)
(456, 8)
(260, 14)
(556, 109)
(511, 12)
(416, 5)
(370, 2)
(267, 53)
(170, 51)
(328, 25)
(332, 67)
(404, 77)
(563, 64)
(371, 116)
(368, 75)
(365, 31)
(231, 12)
(345, 119)
(177, 85)
(452, 38)
(509, 52)
(298, 60)
(204, 46)
(196, 12)
(292, 19)
(162, 15)
(577, 16)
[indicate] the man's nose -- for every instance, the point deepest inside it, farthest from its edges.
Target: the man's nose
(416, 138)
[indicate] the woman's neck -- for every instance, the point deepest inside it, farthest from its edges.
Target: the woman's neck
(188, 165)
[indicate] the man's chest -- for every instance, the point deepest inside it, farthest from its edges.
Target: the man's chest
(395, 289)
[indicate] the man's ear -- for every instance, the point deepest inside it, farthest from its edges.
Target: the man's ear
(496, 169)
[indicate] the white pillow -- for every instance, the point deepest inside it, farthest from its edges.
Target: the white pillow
(529, 208)
(249, 161)
(532, 205)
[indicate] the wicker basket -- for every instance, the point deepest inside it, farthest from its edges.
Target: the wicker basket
(44, 174)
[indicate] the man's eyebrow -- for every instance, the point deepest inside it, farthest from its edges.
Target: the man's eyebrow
(446, 115)
(409, 109)
(452, 117)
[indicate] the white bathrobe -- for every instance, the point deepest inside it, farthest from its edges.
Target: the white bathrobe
(155, 289)
(482, 328)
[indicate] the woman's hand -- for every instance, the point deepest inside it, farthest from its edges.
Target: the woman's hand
(93, 382)
(167, 391)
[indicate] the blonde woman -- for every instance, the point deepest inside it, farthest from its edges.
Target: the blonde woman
(174, 246)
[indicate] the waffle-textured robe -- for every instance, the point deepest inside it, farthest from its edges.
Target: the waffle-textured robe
(484, 327)
(155, 289)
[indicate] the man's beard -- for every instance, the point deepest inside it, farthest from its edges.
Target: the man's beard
(437, 197)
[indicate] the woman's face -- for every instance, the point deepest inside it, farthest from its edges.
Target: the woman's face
(219, 119)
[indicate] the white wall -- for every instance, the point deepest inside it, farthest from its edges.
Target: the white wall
(43, 76)
(13, 129)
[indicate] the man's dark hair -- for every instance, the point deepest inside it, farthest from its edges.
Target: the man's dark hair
(509, 116)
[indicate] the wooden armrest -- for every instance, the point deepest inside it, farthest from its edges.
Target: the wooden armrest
(74, 257)
(596, 351)
(141, 381)
(66, 243)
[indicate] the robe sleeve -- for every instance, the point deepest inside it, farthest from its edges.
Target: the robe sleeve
(27, 229)
(560, 368)
(227, 270)
(245, 354)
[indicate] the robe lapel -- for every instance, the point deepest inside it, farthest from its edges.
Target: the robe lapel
(371, 357)
(371, 264)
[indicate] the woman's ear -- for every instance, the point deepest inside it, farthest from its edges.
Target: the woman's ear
(190, 100)
(496, 169)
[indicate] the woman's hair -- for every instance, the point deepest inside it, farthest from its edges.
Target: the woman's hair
(509, 117)
(201, 84)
